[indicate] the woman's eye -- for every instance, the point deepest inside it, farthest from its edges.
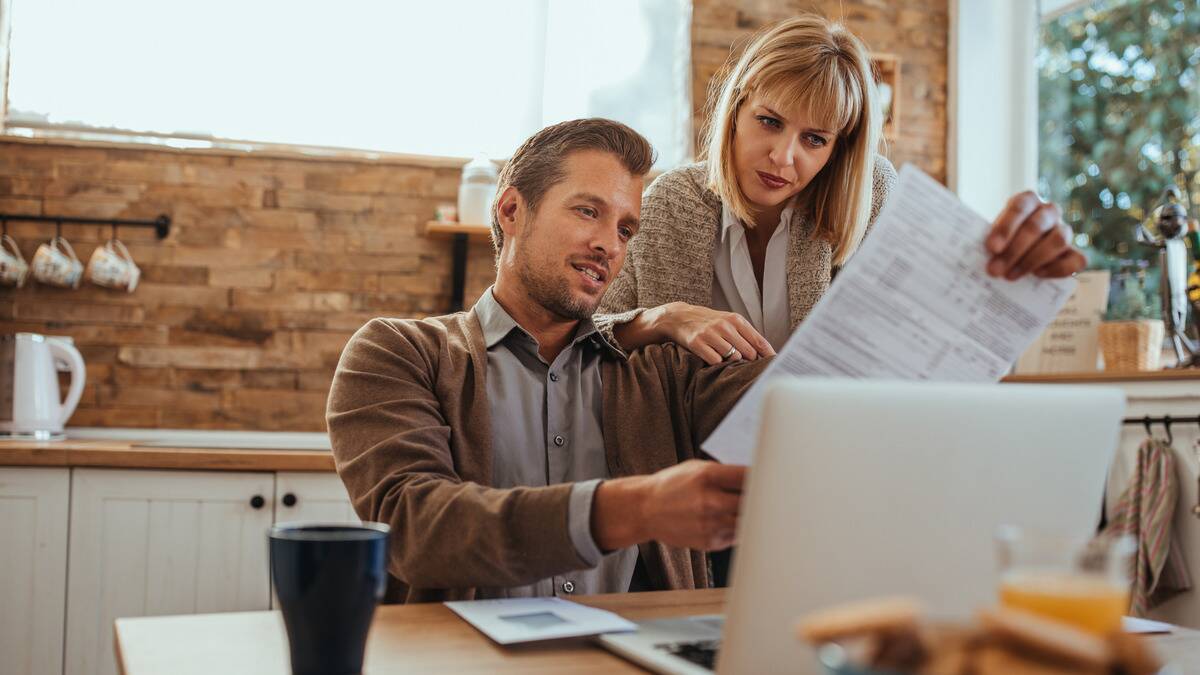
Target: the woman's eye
(768, 121)
(816, 141)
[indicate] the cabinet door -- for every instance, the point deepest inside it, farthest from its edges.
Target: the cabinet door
(147, 543)
(312, 497)
(33, 568)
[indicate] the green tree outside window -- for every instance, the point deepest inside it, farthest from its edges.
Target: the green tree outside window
(1119, 119)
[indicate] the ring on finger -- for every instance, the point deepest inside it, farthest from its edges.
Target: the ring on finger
(732, 351)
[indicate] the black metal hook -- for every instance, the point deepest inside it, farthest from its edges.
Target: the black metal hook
(1146, 423)
(162, 226)
(1167, 424)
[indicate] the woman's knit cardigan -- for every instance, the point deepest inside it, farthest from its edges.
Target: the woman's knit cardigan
(671, 258)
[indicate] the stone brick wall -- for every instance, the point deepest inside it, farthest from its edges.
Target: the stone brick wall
(273, 261)
(244, 309)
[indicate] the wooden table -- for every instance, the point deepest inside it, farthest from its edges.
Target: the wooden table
(426, 639)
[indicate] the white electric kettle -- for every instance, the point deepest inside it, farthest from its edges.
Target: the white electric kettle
(30, 403)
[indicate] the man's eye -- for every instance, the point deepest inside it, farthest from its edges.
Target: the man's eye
(587, 211)
(768, 121)
(626, 233)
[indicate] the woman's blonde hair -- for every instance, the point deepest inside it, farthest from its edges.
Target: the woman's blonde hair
(812, 64)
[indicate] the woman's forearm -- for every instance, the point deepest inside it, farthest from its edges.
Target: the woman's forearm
(644, 329)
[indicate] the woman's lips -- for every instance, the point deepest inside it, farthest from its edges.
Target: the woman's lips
(771, 181)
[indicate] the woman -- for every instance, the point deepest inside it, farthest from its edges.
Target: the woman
(733, 252)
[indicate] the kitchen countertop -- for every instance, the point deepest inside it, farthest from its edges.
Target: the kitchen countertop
(133, 454)
(1172, 375)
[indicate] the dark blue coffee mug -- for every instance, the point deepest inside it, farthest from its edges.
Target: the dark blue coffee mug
(328, 579)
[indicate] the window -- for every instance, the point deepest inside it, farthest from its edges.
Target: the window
(1119, 116)
(453, 78)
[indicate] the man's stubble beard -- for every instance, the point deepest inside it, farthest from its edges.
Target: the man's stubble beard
(551, 293)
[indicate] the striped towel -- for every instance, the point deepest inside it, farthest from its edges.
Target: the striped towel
(1145, 510)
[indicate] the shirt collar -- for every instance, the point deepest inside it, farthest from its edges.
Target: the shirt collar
(497, 324)
(730, 222)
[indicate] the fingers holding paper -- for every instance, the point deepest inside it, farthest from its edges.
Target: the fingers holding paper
(1030, 237)
(694, 504)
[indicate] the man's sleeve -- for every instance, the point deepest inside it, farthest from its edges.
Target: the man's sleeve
(391, 445)
(713, 390)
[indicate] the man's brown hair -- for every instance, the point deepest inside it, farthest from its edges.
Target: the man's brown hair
(539, 163)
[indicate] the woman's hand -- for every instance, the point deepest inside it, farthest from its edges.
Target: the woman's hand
(708, 333)
(1030, 237)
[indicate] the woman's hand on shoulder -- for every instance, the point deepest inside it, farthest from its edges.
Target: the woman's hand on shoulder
(709, 333)
(1030, 237)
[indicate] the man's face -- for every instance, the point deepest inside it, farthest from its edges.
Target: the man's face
(567, 253)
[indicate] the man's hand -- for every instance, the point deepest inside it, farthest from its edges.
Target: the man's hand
(692, 505)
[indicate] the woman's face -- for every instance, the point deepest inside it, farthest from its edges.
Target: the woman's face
(776, 153)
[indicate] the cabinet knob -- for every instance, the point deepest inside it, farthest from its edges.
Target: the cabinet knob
(289, 500)
(257, 502)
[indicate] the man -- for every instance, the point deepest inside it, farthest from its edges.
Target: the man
(512, 450)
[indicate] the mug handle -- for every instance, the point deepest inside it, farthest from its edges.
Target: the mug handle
(67, 245)
(11, 244)
(120, 249)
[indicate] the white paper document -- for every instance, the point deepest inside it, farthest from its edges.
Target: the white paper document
(513, 620)
(914, 303)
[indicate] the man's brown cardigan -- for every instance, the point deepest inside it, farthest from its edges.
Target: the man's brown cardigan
(409, 423)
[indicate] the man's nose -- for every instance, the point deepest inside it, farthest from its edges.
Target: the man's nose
(606, 240)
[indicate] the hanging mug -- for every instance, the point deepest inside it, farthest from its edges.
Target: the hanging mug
(57, 268)
(13, 268)
(113, 267)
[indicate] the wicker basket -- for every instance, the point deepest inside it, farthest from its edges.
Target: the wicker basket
(1131, 345)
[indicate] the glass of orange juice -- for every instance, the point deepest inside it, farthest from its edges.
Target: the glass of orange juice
(1077, 580)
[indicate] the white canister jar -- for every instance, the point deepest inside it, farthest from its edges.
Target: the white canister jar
(476, 192)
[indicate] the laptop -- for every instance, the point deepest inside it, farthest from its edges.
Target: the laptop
(862, 489)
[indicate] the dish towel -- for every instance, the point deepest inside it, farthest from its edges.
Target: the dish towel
(1145, 510)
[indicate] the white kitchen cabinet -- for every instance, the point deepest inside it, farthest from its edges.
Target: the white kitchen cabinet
(33, 568)
(149, 542)
(308, 496)
(1179, 398)
(1158, 395)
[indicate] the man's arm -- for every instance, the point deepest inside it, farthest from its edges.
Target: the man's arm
(713, 390)
(391, 444)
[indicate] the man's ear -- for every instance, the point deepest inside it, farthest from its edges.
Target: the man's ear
(511, 212)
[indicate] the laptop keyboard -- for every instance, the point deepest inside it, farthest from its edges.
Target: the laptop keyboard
(702, 653)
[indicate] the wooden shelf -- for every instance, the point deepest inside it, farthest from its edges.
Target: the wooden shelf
(459, 234)
(1110, 376)
(435, 228)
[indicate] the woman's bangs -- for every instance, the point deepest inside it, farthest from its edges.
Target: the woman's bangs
(830, 101)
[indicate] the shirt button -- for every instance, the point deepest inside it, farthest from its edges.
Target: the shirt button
(554, 377)
(568, 587)
(559, 440)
